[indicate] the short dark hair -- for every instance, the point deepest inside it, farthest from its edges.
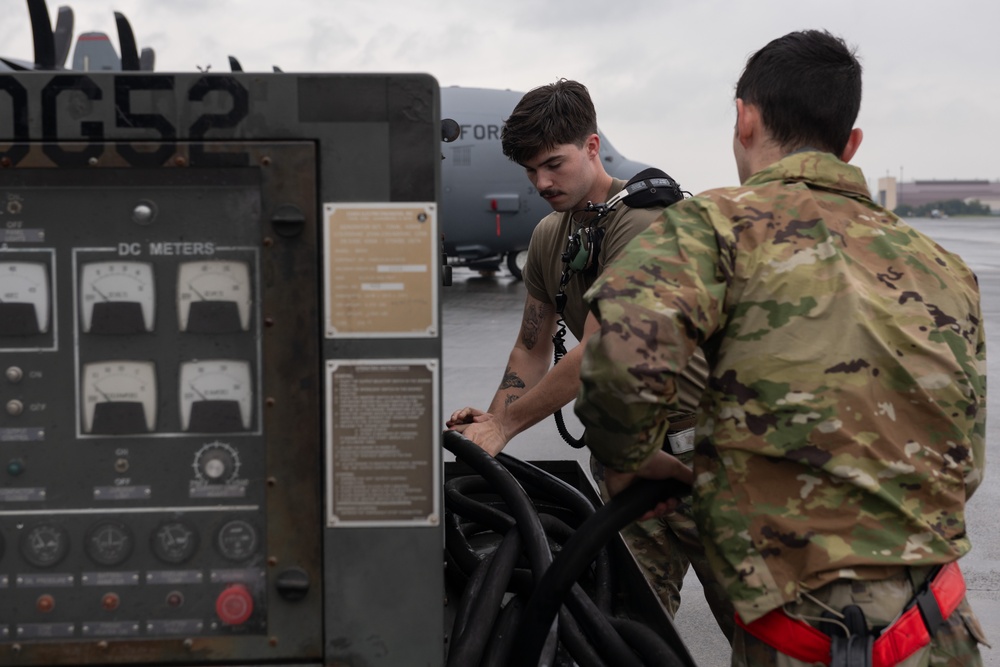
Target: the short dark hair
(807, 86)
(548, 116)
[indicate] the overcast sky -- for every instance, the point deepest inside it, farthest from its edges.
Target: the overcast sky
(661, 72)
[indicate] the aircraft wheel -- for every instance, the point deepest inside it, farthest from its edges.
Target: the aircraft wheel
(515, 262)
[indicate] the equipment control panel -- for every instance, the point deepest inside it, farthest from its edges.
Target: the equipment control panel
(193, 469)
(140, 350)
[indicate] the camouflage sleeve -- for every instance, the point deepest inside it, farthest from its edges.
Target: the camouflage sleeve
(627, 227)
(975, 475)
(656, 303)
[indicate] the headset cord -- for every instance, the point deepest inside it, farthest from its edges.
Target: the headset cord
(559, 351)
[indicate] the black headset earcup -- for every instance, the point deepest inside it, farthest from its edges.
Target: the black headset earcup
(652, 187)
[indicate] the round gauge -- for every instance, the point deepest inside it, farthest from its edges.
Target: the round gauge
(217, 462)
(45, 545)
(237, 540)
(213, 296)
(119, 397)
(216, 396)
(117, 297)
(174, 542)
(24, 298)
(109, 543)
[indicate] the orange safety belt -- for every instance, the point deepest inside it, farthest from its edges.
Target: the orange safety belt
(908, 634)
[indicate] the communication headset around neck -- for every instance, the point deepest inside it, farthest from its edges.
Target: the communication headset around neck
(650, 187)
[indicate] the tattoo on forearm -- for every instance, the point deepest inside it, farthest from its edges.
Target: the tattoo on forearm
(511, 379)
(532, 323)
(510, 399)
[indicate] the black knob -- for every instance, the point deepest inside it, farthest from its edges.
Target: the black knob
(292, 584)
(288, 221)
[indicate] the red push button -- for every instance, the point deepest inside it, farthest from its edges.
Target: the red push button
(234, 605)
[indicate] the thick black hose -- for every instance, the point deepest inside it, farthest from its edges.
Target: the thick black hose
(577, 555)
(469, 642)
(457, 545)
(610, 646)
(649, 645)
(589, 615)
(602, 577)
(512, 493)
(477, 579)
(536, 544)
(501, 644)
(456, 496)
(535, 479)
(540, 481)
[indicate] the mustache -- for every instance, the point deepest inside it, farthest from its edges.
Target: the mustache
(548, 193)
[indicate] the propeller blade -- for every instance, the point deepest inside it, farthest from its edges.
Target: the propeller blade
(41, 33)
(126, 43)
(63, 34)
(147, 60)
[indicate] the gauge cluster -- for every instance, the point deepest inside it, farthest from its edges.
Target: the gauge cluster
(132, 447)
(212, 301)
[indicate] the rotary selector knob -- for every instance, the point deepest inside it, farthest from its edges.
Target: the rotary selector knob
(216, 463)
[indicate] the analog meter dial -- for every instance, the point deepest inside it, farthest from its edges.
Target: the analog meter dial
(237, 540)
(109, 543)
(213, 296)
(216, 396)
(24, 298)
(117, 297)
(174, 542)
(45, 545)
(119, 397)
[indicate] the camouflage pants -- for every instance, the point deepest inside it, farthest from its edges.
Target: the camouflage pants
(663, 548)
(954, 645)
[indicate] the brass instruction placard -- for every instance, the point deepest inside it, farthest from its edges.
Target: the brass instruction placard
(381, 269)
(382, 444)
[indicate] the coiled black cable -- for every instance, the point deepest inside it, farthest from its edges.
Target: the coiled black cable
(576, 556)
(512, 623)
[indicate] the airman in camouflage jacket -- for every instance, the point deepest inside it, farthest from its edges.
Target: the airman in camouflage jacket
(843, 426)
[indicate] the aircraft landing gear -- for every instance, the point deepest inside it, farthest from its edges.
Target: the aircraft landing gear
(516, 259)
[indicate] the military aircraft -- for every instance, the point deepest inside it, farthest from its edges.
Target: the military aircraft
(488, 208)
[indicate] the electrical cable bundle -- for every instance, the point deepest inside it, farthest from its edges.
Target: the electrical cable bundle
(519, 604)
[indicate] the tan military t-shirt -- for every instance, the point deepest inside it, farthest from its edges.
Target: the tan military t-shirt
(544, 269)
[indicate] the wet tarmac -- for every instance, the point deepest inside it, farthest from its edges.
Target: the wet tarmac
(481, 316)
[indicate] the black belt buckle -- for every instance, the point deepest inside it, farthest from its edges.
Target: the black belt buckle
(930, 610)
(855, 648)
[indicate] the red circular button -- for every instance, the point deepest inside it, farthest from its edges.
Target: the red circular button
(234, 605)
(45, 603)
(110, 601)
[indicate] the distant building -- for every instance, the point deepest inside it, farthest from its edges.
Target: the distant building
(892, 193)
